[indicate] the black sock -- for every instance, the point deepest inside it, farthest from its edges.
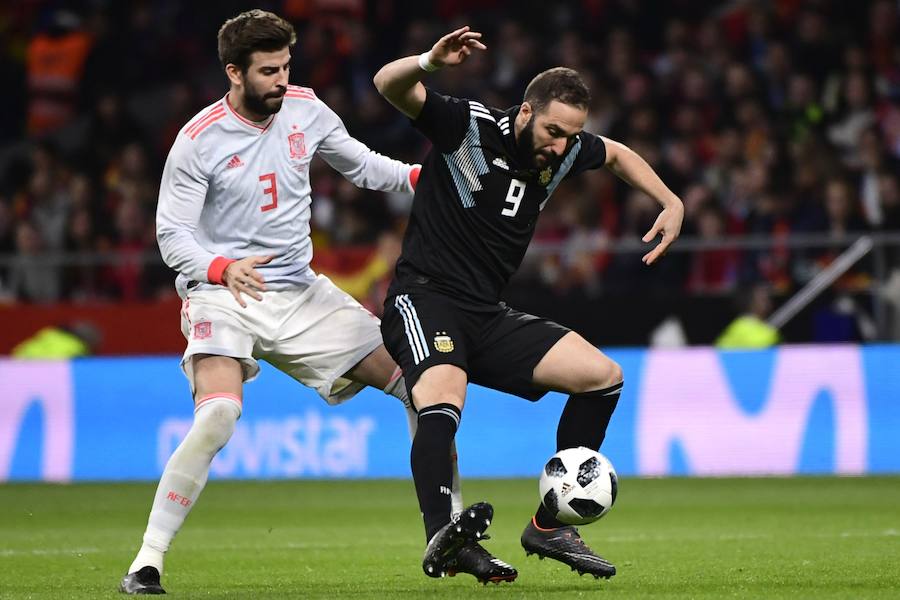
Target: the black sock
(585, 418)
(583, 423)
(431, 467)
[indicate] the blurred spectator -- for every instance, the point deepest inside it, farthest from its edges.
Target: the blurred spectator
(882, 39)
(46, 203)
(750, 329)
(841, 214)
(29, 279)
(841, 219)
(132, 239)
(855, 115)
(712, 271)
(81, 281)
(873, 160)
(56, 59)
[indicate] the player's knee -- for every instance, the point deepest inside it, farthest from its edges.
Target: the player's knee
(442, 384)
(606, 373)
(214, 424)
(424, 400)
(616, 375)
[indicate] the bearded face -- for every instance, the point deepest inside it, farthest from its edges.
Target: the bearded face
(263, 84)
(264, 103)
(548, 133)
(530, 153)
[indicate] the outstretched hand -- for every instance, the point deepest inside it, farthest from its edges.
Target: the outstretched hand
(242, 277)
(668, 223)
(455, 47)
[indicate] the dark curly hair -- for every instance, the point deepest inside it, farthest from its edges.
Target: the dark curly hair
(253, 31)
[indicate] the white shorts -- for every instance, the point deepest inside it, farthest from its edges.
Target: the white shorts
(314, 335)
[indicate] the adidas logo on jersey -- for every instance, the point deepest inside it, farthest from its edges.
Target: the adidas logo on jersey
(499, 162)
(234, 162)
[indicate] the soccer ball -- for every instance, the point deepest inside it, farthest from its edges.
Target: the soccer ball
(578, 485)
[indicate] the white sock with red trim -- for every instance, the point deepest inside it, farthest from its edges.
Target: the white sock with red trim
(397, 388)
(185, 475)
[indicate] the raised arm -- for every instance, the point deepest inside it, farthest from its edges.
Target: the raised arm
(629, 166)
(400, 81)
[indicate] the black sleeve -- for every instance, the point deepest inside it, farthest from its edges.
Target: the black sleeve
(591, 154)
(444, 120)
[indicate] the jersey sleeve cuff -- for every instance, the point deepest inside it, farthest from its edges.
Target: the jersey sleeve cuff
(414, 176)
(217, 269)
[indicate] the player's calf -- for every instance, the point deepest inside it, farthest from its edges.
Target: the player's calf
(183, 480)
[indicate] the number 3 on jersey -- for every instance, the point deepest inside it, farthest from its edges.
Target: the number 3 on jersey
(272, 189)
(514, 197)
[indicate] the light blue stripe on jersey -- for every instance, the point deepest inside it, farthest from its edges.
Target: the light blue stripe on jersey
(467, 163)
(564, 168)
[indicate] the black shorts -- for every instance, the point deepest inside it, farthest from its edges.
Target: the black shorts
(498, 347)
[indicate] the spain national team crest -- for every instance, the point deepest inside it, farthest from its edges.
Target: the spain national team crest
(443, 342)
(297, 145)
(202, 330)
(545, 176)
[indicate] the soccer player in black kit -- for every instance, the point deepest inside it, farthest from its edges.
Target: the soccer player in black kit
(481, 189)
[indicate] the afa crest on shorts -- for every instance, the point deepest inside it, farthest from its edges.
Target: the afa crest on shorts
(297, 145)
(443, 342)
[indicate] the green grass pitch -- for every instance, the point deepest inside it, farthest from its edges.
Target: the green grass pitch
(670, 538)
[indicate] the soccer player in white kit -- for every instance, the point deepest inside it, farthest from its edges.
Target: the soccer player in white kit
(233, 220)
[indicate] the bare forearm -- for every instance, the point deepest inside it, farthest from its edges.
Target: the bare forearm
(628, 165)
(634, 170)
(400, 83)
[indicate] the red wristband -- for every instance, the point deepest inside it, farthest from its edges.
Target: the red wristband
(217, 269)
(414, 176)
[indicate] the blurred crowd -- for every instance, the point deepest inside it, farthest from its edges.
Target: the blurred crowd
(768, 118)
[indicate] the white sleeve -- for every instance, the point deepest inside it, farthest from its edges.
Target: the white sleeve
(362, 166)
(182, 193)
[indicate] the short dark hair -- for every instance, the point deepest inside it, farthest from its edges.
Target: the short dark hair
(558, 83)
(253, 31)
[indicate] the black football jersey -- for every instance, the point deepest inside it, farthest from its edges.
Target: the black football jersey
(476, 206)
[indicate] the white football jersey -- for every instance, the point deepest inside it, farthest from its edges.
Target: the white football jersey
(232, 188)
